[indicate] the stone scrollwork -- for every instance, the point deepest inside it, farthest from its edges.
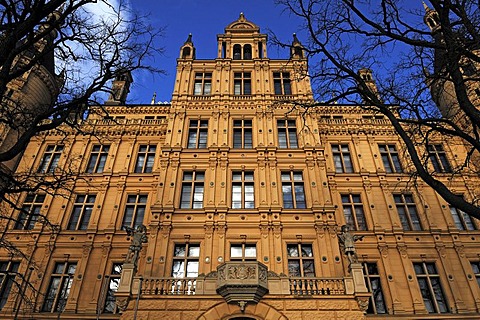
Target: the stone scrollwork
(122, 302)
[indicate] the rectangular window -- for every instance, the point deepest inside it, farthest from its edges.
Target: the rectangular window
(430, 287)
(50, 159)
(353, 211)
(243, 193)
(134, 210)
(243, 252)
(186, 260)
(30, 211)
(192, 190)
(376, 304)
(281, 83)
(438, 157)
(242, 83)
(203, 84)
(8, 271)
(462, 220)
(300, 260)
(82, 211)
(342, 158)
(287, 133)
(391, 161)
(59, 288)
(242, 134)
(145, 158)
(112, 282)
(292, 189)
(476, 271)
(407, 211)
(98, 158)
(197, 134)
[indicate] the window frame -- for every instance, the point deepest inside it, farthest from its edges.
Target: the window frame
(243, 131)
(390, 158)
(197, 134)
(408, 223)
(243, 183)
(8, 272)
(202, 79)
(50, 158)
(301, 259)
(34, 208)
(148, 158)
(136, 212)
(294, 195)
(243, 246)
(98, 158)
(354, 213)
(463, 222)
(109, 305)
(195, 186)
(378, 291)
(242, 83)
(186, 258)
(340, 155)
(287, 129)
(282, 83)
(431, 292)
(64, 286)
(476, 270)
(83, 218)
(438, 158)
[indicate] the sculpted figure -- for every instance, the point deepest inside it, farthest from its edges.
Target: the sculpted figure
(348, 241)
(139, 236)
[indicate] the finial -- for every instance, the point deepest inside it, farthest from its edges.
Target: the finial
(242, 17)
(295, 39)
(189, 39)
(425, 6)
(153, 98)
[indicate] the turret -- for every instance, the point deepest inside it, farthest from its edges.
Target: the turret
(120, 89)
(367, 77)
(296, 49)
(187, 51)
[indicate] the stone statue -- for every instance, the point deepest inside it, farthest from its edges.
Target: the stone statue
(348, 241)
(139, 237)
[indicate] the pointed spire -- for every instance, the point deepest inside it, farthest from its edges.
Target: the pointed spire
(242, 17)
(295, 39)
(153, 98)
(425, 6)
(189, 39)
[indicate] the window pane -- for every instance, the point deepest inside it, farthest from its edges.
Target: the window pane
(250, 251)
(236, 251)
(194, 251)
(294, 268)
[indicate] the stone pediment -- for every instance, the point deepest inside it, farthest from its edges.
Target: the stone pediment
(242, 25)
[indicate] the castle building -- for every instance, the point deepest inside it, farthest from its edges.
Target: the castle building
(252, 209)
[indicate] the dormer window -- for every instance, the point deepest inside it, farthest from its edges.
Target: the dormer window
(247, 52)
(237, 52)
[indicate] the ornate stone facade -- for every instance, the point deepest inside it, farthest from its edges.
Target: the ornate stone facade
(233, 186)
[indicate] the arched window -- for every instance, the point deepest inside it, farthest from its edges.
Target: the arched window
(186, 52)
(237, 52)
(247, 52)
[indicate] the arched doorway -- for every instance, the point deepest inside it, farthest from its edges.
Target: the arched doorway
(225, 311)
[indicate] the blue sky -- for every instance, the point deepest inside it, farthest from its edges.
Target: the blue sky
(204, 19)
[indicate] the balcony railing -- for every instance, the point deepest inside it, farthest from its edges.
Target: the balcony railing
(316, 286)
(169, 286)
(296, 286)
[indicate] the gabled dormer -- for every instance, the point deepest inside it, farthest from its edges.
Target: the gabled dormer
(187, 51)
(242, 40)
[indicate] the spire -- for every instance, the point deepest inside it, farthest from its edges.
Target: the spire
(296, 49)
(431, 18)
(153, 98)
(189, 39)
(242, 17)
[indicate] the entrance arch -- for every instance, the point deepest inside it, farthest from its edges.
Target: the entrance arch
(225, 311)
